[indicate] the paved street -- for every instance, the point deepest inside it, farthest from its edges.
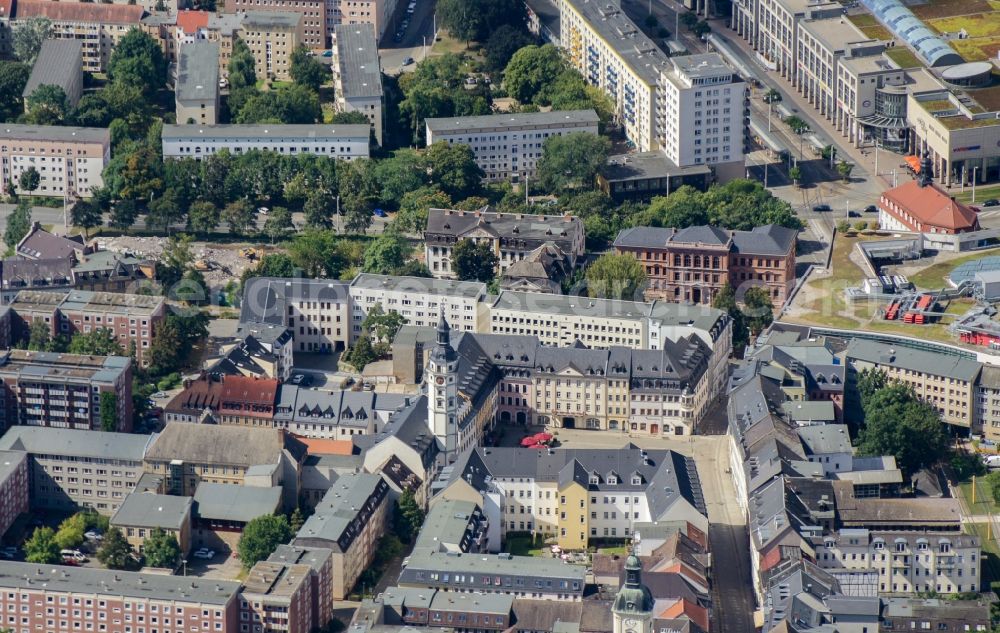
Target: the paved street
(43, 215)
(733, 593)
(421, 30)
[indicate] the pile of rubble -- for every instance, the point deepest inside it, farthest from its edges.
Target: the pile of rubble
(219, 263)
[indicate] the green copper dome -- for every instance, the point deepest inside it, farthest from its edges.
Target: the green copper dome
(633, 597)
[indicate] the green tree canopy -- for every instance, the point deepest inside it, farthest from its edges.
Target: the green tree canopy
(278, 224)
(474, 261)
(13, 78)
(261, 536)
(897, 423)
(29, 180)
(137, 60)
(382, 326)
(758, 309)
(99, 342)
(161, 549)
(86, 215)
(503, 43)
(288, 104)
(454, 170)
(725, 300)
(115, 552)
(531, 69)
(28, 36)
(386, 254)
(306, 70)
(271, 265)
(315, 252)
(240, 216)
(71, 530)
(409, 517)
(572, 161)
(18, 224)
(616, 276)
(47, 105)
(737, 205)
(42, 547)
(109, 411)
(350, 118)
(413, 208)
(477, 19)
(437, 89)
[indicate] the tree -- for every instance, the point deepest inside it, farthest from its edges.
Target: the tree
(898, 423)
(725, 300)
(476, 19)
(403, 172)
(796, 124)
(242, 77)
(203, 217)
(165, 211)
(474, 261)
(319, 208)
(795, 173)
(109, 411)
(382, 326)
(362, 352)
(683, 208)
(870, 382)
(18, 224)
(860, 225)
(29, 180)
(437, 89)
(288, 104)
(240, 217)
(315, 252)
(503, 43)
(410, 517)
(115, 552)
(278, 223)
(530, 69)
(85, 215)
(137, 60)
(13, 78)
(412, 216)
(349, 118)
(271, 265)
(843, 226)
(772, 96)
(161, 549)
(305, 70)
(39, 336)
(386, 253)
(616, 276)
(701, 28)
(758, 309)
(572, 161)
(28, 37)
(47, 105)
(42, 548)
(296, 520)
(260, 538)
(99, 342)
(845, 168)
(71, 531)
(454, 169)
(688, 19)
(165, 350)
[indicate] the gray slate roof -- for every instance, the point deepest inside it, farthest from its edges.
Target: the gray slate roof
(230, 131)
(825, 438)
(41, 440)
(150, 510)
(933, 363)
(198, 71)
(425, 285)
(80, 581)
(57, 133)
(223, 445)
(357, 56)
(55, 65)
(265, 299)
(771, 239)
(228, 502)
(511, 121)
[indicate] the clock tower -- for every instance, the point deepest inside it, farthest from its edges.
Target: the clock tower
(442, 392)
(633, 606)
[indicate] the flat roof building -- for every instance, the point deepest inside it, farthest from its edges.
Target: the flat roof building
(332, 141)
(196, 92)
(508, 146)
(357, 72)
(59, 63)
(69, 160)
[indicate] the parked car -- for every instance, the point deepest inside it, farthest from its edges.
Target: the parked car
(204, 553)
(160, 394)
(871, 209)
(93, 535)
(263, 210)
(379, 213)
(821, 208)
(328, 53)
(407, 61)
(991, 461)
(301, 379)
(992, 202)
(853, 214)
(73, 554)
(8, 553)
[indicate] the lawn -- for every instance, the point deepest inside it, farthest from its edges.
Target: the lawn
(977, 25)
(521, 545)
(904, 57)
(870, 26)
(948, 8)
(979, 49)
(933, 277)
(982, 193)
(984, 501)
(991, 553)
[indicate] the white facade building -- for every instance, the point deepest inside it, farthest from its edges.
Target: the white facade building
(334, 141)
(508, 146)
(69, 160)
(703, 113)
(358, 74)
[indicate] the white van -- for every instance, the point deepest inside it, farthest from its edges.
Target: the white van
(74, 554)
(991, 461)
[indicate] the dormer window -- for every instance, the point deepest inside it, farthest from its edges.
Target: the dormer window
(594, 480)
(636, 480)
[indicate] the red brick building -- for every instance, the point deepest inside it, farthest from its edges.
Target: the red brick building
(230, 399)
(923, 207)
(692, 265)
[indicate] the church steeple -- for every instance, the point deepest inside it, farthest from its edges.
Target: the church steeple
(443, 351)
(442, 391)
(633, 606)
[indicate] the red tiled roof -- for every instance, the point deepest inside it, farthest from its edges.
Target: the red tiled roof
(931, 207)
(321, 446)
(697, 614)
(191, 21)
(79, 11)
(6, 8)
(243, 395)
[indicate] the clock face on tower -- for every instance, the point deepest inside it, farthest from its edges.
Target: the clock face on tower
(631, 626)
(440, 380)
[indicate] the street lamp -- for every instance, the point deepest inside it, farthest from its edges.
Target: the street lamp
(974, 169)
(184, 562)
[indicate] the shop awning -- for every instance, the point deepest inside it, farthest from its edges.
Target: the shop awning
(914, 163)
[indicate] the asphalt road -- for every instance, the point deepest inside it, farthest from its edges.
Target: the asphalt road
(420, 30)
(42, 215)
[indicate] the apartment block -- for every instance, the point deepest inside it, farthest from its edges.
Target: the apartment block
(281, 596)
(611, 52)
(987, 403)
(935, 614)
(704, 112)
(196, 92)
(349, 520)
(93, 598)
(508, 146)
(272, 37)
(196, 141)
(258, 349)
(574, 496)
(337, 415)
(378, 13)
(64, 390)
(317, 311)
(421, 301)
(311, 31)
(98, 26)
(320, 561)
(59, 63)
(905, 562)
(69, 470)
(695, 263)
(512, 237)
(14, 487)
(945, 382)
(69, 160)
(357, 72)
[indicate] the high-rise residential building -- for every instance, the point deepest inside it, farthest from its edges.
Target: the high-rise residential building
(317, 311)
(310, 31)
(70, 469)
(69, 160)
(272, 36)
(346, 142)
(357, 73)
(612, 53)
(378, 13)
(99, 26)
(68, 391)
(704, 112)
(508, 146)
